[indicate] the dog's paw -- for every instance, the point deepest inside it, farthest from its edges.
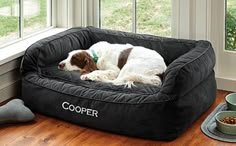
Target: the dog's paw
(94, 77)
(84, 77)
(88, 77)
(129, 84)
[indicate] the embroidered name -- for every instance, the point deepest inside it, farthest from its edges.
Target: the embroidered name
(81, 110)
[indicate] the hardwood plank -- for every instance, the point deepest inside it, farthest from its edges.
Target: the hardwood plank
(47, 131)
(10, 132)
(98, 138)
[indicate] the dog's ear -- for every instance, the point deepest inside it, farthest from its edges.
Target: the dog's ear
(84, 61)
(78, 59)
(88, 59)
(90, 64)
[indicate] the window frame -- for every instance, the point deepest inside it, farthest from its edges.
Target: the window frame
(50, 15)
(134, 16)
(225, 67)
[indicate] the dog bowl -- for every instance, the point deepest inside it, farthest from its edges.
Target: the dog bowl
(225, 127)
(231, 101)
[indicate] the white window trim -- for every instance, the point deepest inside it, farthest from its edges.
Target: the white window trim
(16, 50)
(74, 13)
(54, 13)
(205, 20)
(225, 60)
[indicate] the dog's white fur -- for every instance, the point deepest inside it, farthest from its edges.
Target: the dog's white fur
(142, 65)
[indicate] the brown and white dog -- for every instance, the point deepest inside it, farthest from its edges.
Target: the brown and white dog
(120, 64)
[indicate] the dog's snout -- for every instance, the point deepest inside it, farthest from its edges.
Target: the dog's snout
(61, 65)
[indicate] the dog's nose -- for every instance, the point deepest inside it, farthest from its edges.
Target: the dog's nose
(61, 65)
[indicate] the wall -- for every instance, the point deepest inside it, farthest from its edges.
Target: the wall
(10, 79)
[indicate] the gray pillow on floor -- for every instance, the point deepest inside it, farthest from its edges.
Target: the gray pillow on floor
(15, 111)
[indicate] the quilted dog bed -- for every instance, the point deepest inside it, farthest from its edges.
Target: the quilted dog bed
(146, 111)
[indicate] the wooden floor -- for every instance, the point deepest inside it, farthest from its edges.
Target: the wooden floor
(45, 131)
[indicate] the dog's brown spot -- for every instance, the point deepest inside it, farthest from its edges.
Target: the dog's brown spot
(123, 57)
(84, 61)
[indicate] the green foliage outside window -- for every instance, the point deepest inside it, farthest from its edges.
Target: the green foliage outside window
(231, 29)
(10, 21)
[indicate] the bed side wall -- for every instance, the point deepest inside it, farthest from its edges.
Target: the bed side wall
(51, 50)
(158, 121)
(169, 48)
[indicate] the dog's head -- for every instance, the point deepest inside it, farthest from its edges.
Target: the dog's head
(78, 60)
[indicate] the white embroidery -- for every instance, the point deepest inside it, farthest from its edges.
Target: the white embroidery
(81, 110)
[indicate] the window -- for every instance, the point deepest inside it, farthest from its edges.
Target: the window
(231, 25)
(36, 15)
(141, 16)
(116, 14)
(154, 17)
(9, 20)
(19, 18)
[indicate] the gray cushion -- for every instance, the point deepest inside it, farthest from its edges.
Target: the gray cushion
(15, 111)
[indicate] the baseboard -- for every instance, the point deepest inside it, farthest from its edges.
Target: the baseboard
(10, 66)
(10, 91)
(6, 101)
(10, 79)
(226, 84)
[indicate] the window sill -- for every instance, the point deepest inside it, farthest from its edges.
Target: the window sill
(16, 50)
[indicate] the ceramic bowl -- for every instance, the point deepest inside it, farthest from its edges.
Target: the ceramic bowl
(224, 127)
(231, 101)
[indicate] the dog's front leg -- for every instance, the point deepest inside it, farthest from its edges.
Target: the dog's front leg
(100, 75)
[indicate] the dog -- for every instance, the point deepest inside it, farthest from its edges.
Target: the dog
(120, 64)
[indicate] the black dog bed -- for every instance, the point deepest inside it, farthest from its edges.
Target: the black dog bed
(153, 112)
